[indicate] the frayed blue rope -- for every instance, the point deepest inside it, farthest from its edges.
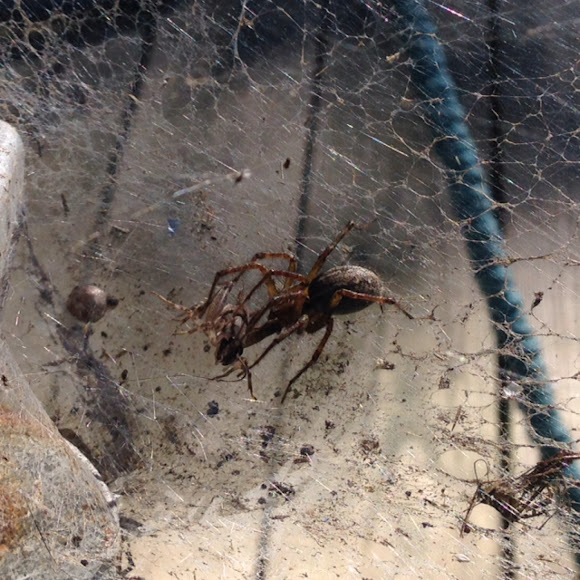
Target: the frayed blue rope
(520, 352)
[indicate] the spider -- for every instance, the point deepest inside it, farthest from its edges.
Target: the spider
(226, 324)
(526, 496)
(296, 304)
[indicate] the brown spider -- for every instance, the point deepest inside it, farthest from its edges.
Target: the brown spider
(225, 324)
(526, 496)
(295, 305)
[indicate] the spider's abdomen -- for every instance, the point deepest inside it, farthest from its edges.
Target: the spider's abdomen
(354, 278)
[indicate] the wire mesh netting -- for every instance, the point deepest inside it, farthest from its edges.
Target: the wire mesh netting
(167, 141)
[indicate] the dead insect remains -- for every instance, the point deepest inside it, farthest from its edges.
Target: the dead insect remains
(295, 304)
(528, 495)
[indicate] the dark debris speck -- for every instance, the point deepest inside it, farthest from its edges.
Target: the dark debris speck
(213, 409)
(267, 434)
(284, 489)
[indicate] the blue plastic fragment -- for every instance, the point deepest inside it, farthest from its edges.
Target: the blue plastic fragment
(172, 226)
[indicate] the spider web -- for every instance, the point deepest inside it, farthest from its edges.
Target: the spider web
(168, 140)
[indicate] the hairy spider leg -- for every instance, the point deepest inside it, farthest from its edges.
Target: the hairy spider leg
(548, 518)
(199, 311)
(245, 373)
(271, 326)
(292, 261)
(267, 278)
(190, 312)
(312, 361)
(214, 310)
(245, 268)
(552, 466)
(272, 289)
(248, 374)
(217, 305)
(493, 498)
(504, 502)
(343, 293)
(298, 326)
(216, 301)
(327, 251)
(472, 503)
(540, 477)
(538, 489)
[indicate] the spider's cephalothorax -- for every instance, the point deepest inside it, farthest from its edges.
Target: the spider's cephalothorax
(296, 304)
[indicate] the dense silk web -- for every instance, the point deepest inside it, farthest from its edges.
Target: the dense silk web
(168, 140)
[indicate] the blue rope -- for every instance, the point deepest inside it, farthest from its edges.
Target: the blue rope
(520, 352)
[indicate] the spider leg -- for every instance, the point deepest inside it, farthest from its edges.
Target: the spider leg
(327, 251)
(191, 314)
(232, 369)
(184, 332)
(548, 519)
(273, 292)
(299, 325)
(271, 326)
(292, 261)
(248, 374)
(529, 501)
(268, 273)
(343, 293)
(504, 502)
(257, 335)
(173, 305)
(271, 287)
(315, 356)
(241, 365)
(472, 504)
(218, 305)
